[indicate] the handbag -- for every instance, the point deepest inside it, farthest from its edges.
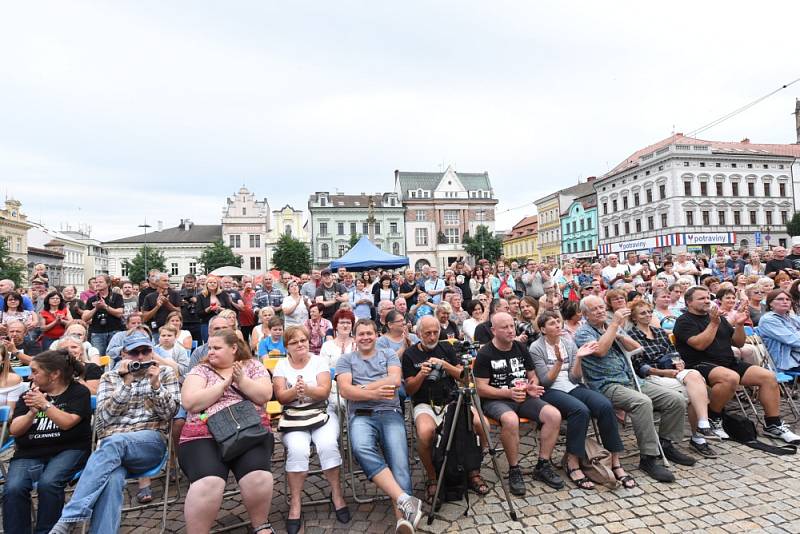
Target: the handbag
(597, 464)
(308, 417)
(237, 428)
(743, 430)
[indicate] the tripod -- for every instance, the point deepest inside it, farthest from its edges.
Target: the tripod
(468, 397)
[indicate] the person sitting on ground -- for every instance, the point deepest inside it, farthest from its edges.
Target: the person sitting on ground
(273, 343)
(302, 380)
(369, 379)
(704, 338)
(509, 389)
(608, 371)
(134, 410)
(53, 433)
(557, 362)
(780, 330)
(660, 364)
(226, 376)
(429, 398)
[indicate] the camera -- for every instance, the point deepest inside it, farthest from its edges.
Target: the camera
(134, 367)
(436, 373)
(102, 320)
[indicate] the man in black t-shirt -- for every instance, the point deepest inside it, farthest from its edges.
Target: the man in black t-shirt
(509, 389)
(103, 313)
(330, 294)
(409, 289)
(159, 304)
(778, 263)
(704, 339)
(794, 257)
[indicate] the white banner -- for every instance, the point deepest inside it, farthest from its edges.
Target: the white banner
(709, 239)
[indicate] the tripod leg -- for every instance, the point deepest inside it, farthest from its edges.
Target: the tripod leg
(439, 482)
(493, 454)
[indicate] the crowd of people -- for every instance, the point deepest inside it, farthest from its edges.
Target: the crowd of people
(569, 343)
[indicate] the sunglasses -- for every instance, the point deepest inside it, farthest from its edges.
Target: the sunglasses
(141, 351)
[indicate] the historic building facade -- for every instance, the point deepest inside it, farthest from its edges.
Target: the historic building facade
(246, 228)
(14, 227)
(521, 242)
(285, 221)
(550, 209)
(579, 228)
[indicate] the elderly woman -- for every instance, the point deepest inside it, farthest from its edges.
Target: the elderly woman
(557, 362)
(303, 381)
(52, 428)
(77, 331)
(780, 330)
(447, 328)
(663, 316)
(782, 281)
(228, 375)
(755, 299)
(317, 327)
(91, 372)
(660, 364)
(396, 338)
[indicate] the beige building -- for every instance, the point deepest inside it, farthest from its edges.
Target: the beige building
(285, 221)
(14, 227)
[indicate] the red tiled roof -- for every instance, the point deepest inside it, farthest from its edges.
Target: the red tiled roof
(527, 226)
(719, 147)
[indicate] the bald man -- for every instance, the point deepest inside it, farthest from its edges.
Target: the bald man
(509, 389)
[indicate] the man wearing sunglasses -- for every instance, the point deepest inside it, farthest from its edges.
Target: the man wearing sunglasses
(135, 404)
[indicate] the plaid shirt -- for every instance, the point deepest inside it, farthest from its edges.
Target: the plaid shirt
(654, 349)
(267, 297)
(128, 408)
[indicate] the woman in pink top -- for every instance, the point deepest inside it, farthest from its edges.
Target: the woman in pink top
(228, 375)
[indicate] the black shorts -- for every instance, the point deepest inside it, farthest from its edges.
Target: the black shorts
(529, 409)
(705, 369)
(201, 458)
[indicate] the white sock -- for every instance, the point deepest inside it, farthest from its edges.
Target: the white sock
(703, 423)
(697, 438)
(403, 498)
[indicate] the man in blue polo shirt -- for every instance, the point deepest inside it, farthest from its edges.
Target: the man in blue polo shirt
(6, 287)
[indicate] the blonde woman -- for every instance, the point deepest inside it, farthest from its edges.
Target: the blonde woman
(11, 384)
(184, 339)
(77, 331)
(210, 302)
(262, 328)
(91, 370)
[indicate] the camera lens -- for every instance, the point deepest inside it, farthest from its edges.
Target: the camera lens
(436, 373)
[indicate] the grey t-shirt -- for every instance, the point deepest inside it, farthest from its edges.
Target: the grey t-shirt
(368, 370)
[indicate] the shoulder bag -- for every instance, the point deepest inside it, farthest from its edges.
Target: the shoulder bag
(308, 417)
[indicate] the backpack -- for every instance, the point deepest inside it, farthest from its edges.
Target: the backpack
(597, 464)
(743, 430)
(465, 452)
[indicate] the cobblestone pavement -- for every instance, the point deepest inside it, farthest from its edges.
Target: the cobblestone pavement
(743, 490)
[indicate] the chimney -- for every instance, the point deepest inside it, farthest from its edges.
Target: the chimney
(591, 179)
(745, 141)
(797, 118)
(160, 225)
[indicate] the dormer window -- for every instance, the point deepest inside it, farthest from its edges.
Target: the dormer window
(323, 201)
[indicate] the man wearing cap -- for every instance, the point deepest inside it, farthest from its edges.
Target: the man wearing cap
(330, 294)
(135, 405)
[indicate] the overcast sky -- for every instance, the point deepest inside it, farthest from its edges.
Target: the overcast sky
(111, 112)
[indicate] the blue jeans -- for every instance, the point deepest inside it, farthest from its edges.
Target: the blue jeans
(50, 475)
(388, 429)
(99, 340)
(98, 494)
(577, 408)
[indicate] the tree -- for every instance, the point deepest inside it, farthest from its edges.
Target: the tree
(354, 237)
(483, 245)
(793, 226)
(136, 268)
(10, 268)
(291, 255)
(217, 255)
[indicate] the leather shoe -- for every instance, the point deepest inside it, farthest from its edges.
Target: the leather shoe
(650, 465)
(342, 514)
(673, 454)
(293, 525)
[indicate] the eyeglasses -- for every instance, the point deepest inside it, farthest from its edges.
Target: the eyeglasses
(646, 312)
(141, 351)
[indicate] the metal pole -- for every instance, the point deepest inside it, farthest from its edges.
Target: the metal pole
(145, 226)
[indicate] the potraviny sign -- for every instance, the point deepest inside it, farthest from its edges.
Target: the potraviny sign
(669, 240)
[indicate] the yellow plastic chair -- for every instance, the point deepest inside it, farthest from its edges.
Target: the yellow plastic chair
(105, 362)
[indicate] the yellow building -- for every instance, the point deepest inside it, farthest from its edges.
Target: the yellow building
(549, 226)
(523, 240)
(14, 229)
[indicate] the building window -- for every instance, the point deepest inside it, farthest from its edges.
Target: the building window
(583, 223)
(364, 228)
(244, 211)
(614, 205)
(650, 223)
(737, 218)
(235, 241)
(627, 227)
(663, 220)
(124, 268)
(767, 189)
(735, 189)
(625, 202)
(421, 237)
(255, 241)
(255, 263)
(452, 235)
(719, 188)
(342, 250)
(721, 218)
(638, 225)
(687, 189)
(173, 269)
(287, 230)
(392, 227)
(753, 217)
(662, 191)
(605, 208)
(340, 228)
(616, 229)
(323, 228)
(782, 189)
(420, 215)
(689, 218)
(706, 218)
(784, 217)
(605, 232)
(703, 189)
(751, 189)
(396, 249)
(649, 195)
(354, 228)
(192, 267)
(377, 228)
(589, 223)
(636, 199)
(324, 251)
(769, 217)
(450, 217)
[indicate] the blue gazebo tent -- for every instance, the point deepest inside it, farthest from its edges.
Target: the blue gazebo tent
(364, 255)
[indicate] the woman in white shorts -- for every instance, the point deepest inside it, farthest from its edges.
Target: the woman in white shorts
(660, 363)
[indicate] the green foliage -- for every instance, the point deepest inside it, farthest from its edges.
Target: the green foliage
(217, 255)
(353, 240)
(483, 245)
(10, 268)
(137, 271)
(793, 226)
(291, 255)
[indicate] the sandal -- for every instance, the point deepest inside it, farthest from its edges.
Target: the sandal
(583, 483)
(145, 495)
(627, 481)
(265, 526)
(477, 484)
(430, 489)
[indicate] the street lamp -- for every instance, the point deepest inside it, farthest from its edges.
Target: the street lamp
(145, 226)
(480, 223)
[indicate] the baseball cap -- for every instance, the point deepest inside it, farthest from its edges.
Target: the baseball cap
(135, 340)
(326, 272)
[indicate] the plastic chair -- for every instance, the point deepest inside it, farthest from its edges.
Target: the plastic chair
(5, 417)
(105, 362)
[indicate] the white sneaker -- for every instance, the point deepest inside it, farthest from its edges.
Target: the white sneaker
(716, 427)
(783, 432)
(403, 527)
(411, 508)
